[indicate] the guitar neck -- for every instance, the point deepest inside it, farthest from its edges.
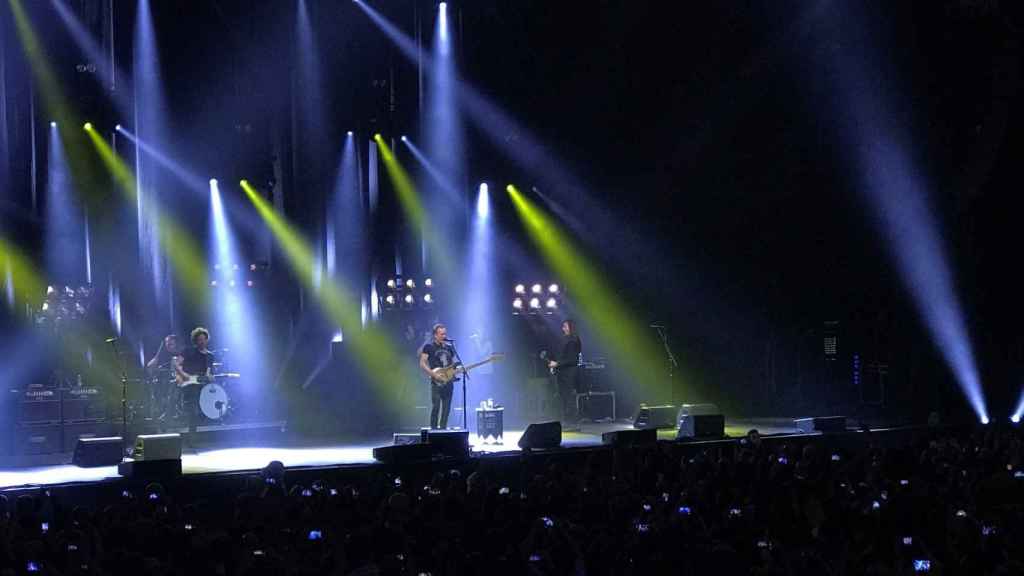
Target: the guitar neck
(477, 364)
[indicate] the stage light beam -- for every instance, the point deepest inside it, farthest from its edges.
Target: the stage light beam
(381, 364)
(616, 326)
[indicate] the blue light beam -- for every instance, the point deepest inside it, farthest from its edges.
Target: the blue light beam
(897, 191)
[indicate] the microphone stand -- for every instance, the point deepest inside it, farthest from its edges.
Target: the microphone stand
(672, 364)
(465, 377)
(124, 397)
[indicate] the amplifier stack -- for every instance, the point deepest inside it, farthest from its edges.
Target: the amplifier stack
(52, 420)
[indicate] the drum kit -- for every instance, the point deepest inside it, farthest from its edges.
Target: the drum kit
(169, 404)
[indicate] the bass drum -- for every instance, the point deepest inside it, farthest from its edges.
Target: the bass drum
(214, 402)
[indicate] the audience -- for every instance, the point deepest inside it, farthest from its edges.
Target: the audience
(949, 503)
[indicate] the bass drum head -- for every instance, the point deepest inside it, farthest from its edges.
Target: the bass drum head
(213, 401)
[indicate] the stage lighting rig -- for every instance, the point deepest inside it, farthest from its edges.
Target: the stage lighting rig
(406, 294)
(537, 298)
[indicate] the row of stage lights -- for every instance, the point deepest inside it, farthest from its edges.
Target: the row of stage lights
(401, 294)
(536, 300)
(224, 276)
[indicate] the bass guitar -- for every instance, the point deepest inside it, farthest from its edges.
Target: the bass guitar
(440, 376)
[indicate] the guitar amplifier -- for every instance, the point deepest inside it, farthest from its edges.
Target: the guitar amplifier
(39, 404)
(37, 439)
(82, 404)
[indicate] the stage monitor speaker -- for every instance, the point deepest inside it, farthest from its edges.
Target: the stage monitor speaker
(401, 439)
(449, 443)
(701, 426)
(823, 424)
(630, 437)
(150, 469)
(157, 447)
(541, 436)
(655, 417)
(403, 453)
(92, 452)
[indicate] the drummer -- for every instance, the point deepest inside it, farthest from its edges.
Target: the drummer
(161, 371)
(169, 351)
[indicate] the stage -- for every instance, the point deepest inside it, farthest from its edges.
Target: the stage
(296, 452)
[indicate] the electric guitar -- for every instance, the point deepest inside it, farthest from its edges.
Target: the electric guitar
(202, 379)
(445, 375)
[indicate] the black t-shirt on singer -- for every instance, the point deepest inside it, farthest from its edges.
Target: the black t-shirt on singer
(438, 355)
(195, 362)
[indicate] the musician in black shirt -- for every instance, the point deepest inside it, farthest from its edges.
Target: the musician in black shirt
(566, 370)
(434, 355)
(196, 361)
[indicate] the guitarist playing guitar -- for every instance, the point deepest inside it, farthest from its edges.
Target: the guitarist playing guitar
(437, 359)
(194, 365)
(440, 362)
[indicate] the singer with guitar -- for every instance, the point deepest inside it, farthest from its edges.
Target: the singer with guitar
(438, 361)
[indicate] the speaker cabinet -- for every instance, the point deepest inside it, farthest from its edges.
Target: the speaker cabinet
(37, 439)
(157, 447)
(701, 426)
(403, 453)
(542, 435)
(655, 417)
(823, 424)
(93, 452)
(630, 437)
(449, 443)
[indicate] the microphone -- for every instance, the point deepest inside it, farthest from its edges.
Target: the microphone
(112, 339)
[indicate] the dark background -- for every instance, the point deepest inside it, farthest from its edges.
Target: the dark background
(708, 130)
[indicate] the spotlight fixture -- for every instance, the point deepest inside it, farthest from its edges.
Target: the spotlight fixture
(248, 283)
(429, 282)
(349, 133)
(517, 303)
(389, 299)
(404, 139)
(520, 289)
(1015, 418)
(376, 136)
(536, 289)
(117, 127)
(213, 181)
(88, 126)
(243, 182)
(534, 303)
(391, 283)
(213, 283)
(428, 299)
(410, 284)
(53, 124)
(552, 303)
(553, 289)
(252, 267)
